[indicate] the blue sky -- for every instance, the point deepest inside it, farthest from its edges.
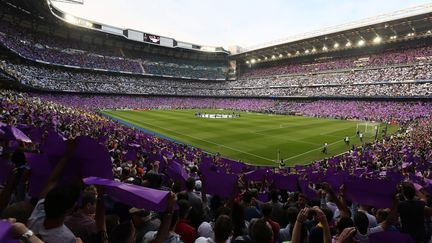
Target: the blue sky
(231, 22)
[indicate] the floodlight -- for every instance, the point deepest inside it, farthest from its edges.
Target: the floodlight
(280, 55)
(348, 44)
(265, 58)
(324, 48)
(273, 57)
(336, 45)
(361, 42)
(252, 61)
(393, 37)
(313, 49)
(71, 19)
(307, 51)
(377, 39)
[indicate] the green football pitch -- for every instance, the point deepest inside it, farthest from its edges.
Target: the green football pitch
(252, 138)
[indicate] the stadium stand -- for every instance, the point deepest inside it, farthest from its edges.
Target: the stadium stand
(69, 174)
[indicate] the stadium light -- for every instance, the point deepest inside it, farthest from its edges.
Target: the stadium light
(273, 57)
(252, 61)
(259, 59)
(280, 55)
(336, 45)
(393, 37)
(377, 39)
(71, 19)
(348, 44)
(247, 62)
(289, 54)
(324, 48)
(361, 42)
(265, 58)
(297, 52)
(307, 51)
(313, 50)
(429, 32)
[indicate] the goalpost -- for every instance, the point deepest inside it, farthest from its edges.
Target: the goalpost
(368, 129)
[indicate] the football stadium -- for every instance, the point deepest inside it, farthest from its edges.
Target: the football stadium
(114, 134)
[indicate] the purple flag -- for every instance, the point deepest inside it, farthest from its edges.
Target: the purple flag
(130, 155)
(92, 158)
(6, 234)
(36, 134)
(335, 180)
(373, 192)
(40, 171)
(176, 171)
(255, 175)
(157, 157)
(206, 163)
(220, 184)
(306, 190)
(53, 144)
(132, 195)
(288, 182)
(167, 154)
(13, 133)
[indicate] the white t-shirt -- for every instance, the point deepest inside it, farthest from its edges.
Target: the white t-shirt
(60, 234)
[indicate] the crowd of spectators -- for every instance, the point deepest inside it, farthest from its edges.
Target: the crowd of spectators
(152, 190)
(360, 76)
(38, 46)
(388, 58)
(390, 82)
(339, 109)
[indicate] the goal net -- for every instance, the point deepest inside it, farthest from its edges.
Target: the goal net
(368, 129)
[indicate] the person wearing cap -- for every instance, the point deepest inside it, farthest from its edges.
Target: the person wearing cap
(143, 222)
(197, 212)
(223, 230)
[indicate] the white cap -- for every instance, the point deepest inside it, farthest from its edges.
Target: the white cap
(205, 230)
(198, 185)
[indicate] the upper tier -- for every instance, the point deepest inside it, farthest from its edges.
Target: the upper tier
(55, 50)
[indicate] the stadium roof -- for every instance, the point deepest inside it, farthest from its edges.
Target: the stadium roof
(45, 10)
(398, 26)
(410, 23)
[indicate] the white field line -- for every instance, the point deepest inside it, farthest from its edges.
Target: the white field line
(221, 145)
(233, 149)
(298, 155)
